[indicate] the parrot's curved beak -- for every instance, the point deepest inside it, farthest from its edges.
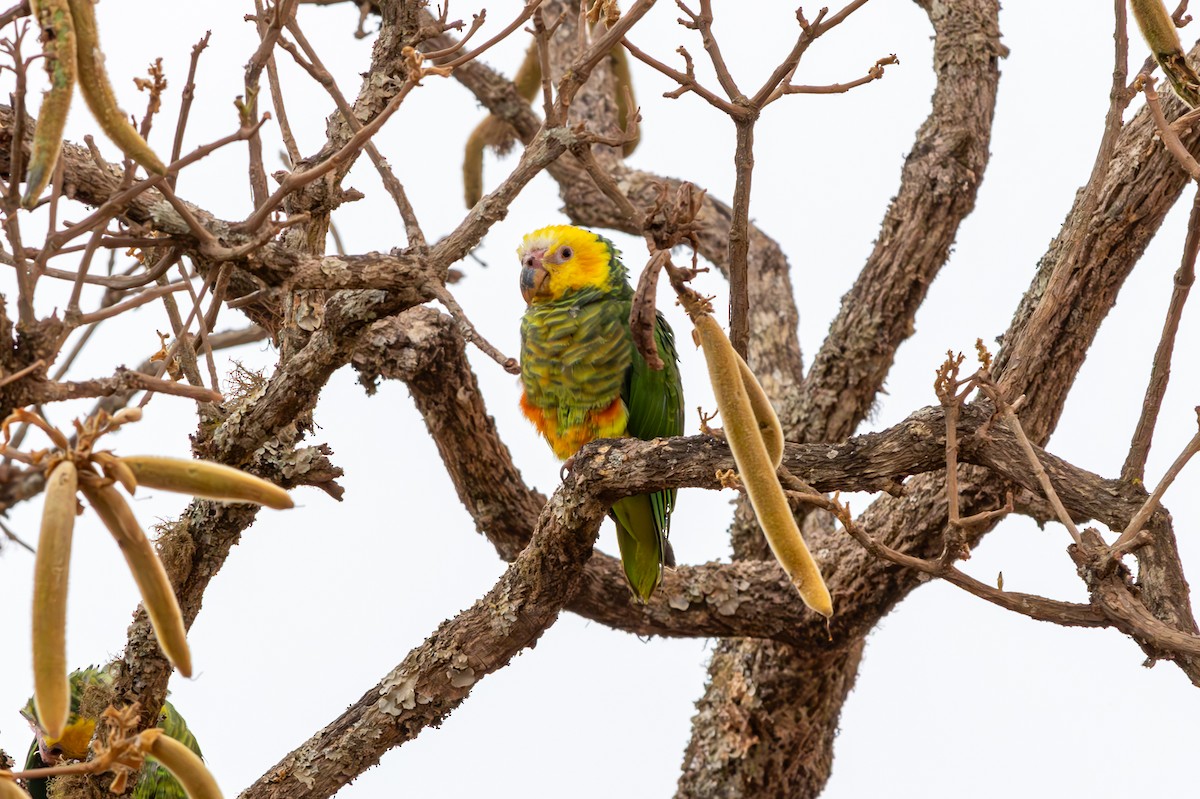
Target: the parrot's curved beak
(534, 276)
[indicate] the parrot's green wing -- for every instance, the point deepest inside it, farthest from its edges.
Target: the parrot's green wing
(654, 399)
(36, 788)
(76, 735)
(154, 781)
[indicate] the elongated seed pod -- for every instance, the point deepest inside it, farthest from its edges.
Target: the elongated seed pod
(148, 572)
(184, 764)
(624, 82)
(491, 132)
(1160, 33)
(755, 467)
(58, 37)
(205, 479)
(9, 788)
(769, 428)
(51, 688)
(97, 91)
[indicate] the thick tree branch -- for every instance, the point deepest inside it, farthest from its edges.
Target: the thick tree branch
(744, 599)
(938, 187)
(438, 675)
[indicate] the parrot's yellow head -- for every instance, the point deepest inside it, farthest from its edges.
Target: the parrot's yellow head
(73, 745)
(559, 260)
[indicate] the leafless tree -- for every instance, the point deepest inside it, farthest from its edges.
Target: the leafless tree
(947, 475)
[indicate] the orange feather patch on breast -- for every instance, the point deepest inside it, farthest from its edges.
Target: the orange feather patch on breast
(534, 414)
(609, 422)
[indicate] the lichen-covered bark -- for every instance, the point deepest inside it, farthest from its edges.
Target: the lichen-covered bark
(437, 675)
(938, 186)
(939, 181)
(778, 681)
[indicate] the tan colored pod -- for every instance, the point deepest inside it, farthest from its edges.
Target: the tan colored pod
(97, 91)
(206, 479)
(51, 572)
(184, 764)
(54, 17)
(9, 788)
(1156, 26)
(755, 467)
(157, 595)
(1160, 33)
(769, 428)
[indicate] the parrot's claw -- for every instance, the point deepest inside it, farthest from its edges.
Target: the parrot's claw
(568, 464)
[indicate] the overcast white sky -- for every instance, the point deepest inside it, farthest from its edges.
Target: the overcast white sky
(955, 697)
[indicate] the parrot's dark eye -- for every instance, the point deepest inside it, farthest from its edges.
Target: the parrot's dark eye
(527, 260)
(565, 253)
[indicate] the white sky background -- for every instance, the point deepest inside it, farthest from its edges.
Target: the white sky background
(955, 697)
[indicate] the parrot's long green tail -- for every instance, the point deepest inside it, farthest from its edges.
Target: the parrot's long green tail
(642, 537)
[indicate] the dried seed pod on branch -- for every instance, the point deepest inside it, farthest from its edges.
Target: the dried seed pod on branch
(756, 440)
(97, 91)
(51, 688)
(499, 135)
(58, 36)
(78, 466)
(1158, 29)
(182, 762)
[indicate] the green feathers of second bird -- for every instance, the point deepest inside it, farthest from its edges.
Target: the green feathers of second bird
(583, 377)
(153, 782)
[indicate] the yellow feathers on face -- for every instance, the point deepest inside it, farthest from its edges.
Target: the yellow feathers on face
(561, 259)
(73, 745)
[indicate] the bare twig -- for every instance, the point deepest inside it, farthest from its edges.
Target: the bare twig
(84, 264)
(1007, 412)
(17, 375)
(202, 319)
(269, 21)
(315, 68)
(21, 9)
(1068, 614)
(141, 298)
(541, 36)
(11, 536)
(295, 180)
(468, 330)
(125, 380)
(185, 100)
(26, 276)
(686, 80)
(119, 200)
(1143, 515)
(1167, 134)
(1160, 372)
(526, 13)
(873, 74)
(119, 282)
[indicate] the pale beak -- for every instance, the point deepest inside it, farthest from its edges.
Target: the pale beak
(533, 275)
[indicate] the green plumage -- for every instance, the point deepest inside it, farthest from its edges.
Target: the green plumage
(655, 402)
(153, 782)
(577, 359)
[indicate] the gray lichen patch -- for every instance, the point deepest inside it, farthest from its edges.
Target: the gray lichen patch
(398, 693)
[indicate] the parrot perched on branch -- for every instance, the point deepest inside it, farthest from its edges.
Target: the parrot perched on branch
(153, 782)
(584, 378)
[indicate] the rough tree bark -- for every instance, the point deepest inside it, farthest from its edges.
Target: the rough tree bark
(780, 676)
